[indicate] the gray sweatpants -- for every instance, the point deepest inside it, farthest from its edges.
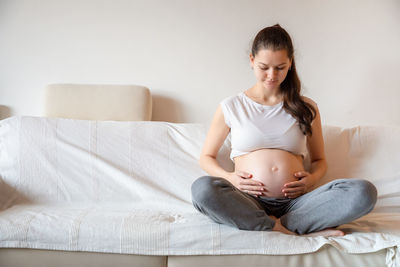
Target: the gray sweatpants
(337, 202)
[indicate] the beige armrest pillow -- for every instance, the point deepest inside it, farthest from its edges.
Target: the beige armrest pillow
(98, 102)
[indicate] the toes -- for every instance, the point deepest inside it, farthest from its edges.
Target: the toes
(326, 233)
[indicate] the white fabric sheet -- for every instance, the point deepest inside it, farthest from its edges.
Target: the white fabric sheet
(124, 187)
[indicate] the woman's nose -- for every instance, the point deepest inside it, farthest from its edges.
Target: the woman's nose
(271, 73)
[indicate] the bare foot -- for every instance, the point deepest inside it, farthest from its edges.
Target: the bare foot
(327, 232)
(280, 228)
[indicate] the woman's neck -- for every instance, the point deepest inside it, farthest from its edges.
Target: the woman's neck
(260, 94)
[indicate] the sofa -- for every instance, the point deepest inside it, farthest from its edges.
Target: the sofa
(101, 191)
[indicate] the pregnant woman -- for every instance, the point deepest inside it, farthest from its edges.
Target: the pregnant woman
(272, 128)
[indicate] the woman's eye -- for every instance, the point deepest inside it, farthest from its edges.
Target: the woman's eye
(267, 68)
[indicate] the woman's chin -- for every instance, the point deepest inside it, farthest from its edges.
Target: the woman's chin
(271, 85)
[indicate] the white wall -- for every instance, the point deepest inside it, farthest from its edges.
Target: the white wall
(192, 54)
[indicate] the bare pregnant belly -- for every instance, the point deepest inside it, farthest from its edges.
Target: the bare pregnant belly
(272, 167)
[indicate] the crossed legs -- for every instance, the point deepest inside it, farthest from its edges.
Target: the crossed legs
(335, 203)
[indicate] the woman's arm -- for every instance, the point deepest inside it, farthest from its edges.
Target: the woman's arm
(315, 146)
(215, 138)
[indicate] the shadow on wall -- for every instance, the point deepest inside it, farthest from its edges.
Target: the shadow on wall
(5, 112)
(167, 109)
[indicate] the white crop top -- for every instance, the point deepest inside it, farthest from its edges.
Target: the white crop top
(255, 126)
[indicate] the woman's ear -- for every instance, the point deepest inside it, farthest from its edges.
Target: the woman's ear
(251, 61)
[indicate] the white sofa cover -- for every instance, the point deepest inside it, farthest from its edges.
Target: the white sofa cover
(124, 187)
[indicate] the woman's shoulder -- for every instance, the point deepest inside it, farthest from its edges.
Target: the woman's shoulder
(309, 101)
(232, 99)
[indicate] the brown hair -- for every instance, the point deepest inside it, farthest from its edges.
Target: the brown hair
(276, 38)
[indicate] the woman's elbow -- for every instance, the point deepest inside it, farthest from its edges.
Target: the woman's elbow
(201, 161)
(324, 164)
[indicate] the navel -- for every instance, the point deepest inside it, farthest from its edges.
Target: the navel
(274, 168)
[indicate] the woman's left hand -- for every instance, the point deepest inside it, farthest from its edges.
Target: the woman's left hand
(300, 187)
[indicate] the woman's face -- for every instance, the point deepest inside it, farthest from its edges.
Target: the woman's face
(270, 67)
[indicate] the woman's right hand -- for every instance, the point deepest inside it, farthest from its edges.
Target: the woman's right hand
(242, 180)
